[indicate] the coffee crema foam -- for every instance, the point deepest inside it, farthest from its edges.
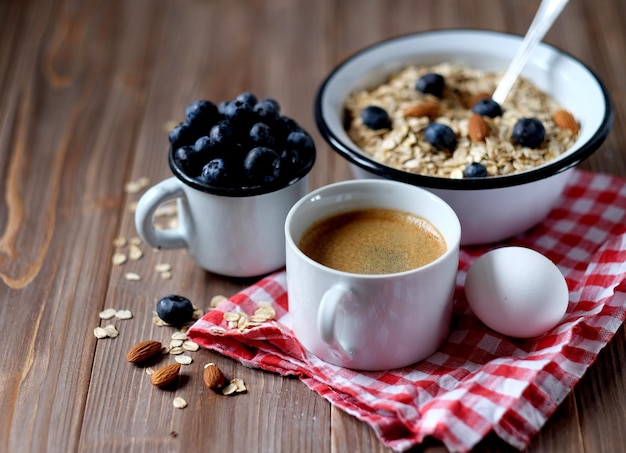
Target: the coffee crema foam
(373, 241)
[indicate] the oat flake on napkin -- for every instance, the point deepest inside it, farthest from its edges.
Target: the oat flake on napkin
(478, 380)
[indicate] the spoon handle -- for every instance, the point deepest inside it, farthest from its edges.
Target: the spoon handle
(547, 13)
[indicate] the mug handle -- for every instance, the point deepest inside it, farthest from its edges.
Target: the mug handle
(166, 190)
(327, 313)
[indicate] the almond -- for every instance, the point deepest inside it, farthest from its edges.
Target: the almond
(143, 351)
(477, 128)
(428, 108)
(165, 375)
(213, 377)
(565, 120)
(477, 97)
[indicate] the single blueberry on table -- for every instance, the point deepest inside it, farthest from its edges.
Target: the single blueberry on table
(440, 136)
(475, 170)
(487, 107)
(262, 165)
(175, 310)
(375, 117)
(528, 132)
(431, 83)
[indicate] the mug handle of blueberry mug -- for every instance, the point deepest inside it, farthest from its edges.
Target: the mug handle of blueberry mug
(327, 315)
(167, 190)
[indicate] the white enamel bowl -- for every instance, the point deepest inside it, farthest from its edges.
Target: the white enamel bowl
(493, 208)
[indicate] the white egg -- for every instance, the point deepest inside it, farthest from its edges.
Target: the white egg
(516, 291)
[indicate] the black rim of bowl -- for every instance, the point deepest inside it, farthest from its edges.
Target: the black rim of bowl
(243, 191)
(491, 182)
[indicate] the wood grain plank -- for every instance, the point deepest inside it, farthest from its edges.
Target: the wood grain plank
(270, 417)
(61, 198)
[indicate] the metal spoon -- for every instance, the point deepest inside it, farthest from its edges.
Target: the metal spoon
(547, 13)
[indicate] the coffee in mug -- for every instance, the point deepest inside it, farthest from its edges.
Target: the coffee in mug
(373, 241)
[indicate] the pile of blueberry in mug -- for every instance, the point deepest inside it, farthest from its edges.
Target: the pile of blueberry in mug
(242, 143)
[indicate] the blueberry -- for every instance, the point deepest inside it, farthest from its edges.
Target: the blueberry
(267, 111)
(528, 132)
(262, 165)
(290, 160)
(216, 172)
(221, 107)
(181, 135)
(300, 141)
(247, 97)
(189, 160)
(475, 170)
(430, 83)
(440, 136)
(222, 134)
(286, 126)
(175, 310)
(201, 114)
(261, 135)
(238, 112)
(203, 143)
(375, 117)
(487, 107)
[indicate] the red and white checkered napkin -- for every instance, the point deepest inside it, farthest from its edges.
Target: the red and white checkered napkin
(478, 380)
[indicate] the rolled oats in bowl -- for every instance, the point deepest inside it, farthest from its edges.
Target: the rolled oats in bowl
(479, 141)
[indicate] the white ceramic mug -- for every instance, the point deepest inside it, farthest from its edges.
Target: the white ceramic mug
(371, 322)
(236, 236)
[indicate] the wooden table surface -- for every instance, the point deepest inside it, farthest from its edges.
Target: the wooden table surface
(87, 91)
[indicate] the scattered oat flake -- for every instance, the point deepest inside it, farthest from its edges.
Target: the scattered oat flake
(108, 313)
(229, 389)
(132, 277)
(119, 242)
(100, 333)
(175, 343)
(123, 314)
(176, 350)
(216, 300)
(135, 252)
(192, 346)
(132, 187)
(197, 313)
(111, 331)
(134, 240)
(184, 359)
(166, 275)
(159, 322)
(149, 371)
(179, 336)
(239, 384)
(179, 403)
(132, 206)
(163, 267)
(118, 258)
(231, 316)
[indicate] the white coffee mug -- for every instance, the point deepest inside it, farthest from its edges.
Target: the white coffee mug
(371, 322)
(236, 236)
